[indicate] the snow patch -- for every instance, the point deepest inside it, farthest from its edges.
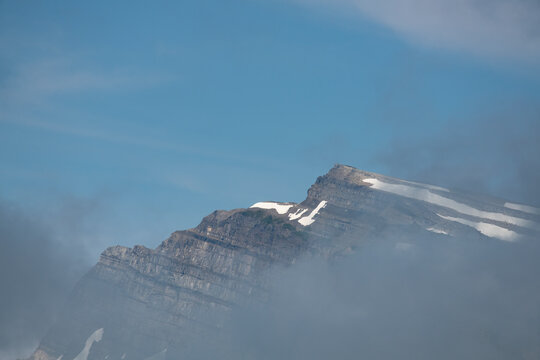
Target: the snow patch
(95, 337)
(523, 208)
(486, 229)
(308, 220)
(428, 196)
(298, 214)
(431, 187)
(279, 207)
(437, 231)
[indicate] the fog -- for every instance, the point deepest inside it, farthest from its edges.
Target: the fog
(441, 298)
(495, 152)
(43, 252)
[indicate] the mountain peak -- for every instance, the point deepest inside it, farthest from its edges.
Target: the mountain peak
(351, 174)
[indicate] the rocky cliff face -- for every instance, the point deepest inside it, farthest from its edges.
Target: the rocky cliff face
(137, 302)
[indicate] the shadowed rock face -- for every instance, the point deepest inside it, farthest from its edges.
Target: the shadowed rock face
(148, 300)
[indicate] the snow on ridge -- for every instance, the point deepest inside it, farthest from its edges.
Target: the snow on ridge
(298, 214)
(428, 196)
(279, 207)
(431, 187)
(486, 229)
(308, 220)
(282, 208)
(523, 208)
(95, 337)
(437, 231)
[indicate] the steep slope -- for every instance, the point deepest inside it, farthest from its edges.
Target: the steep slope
(138, 302)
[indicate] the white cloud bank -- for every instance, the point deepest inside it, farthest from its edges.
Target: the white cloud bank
(507, 29)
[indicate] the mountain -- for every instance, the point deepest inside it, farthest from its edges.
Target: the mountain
(139, 303)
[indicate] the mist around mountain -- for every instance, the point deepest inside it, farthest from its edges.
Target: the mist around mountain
(42, 255)
(367, 265)
(124, 122)
(446, 300)
(412, 295)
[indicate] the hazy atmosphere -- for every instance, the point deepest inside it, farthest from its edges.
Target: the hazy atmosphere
(122, 122)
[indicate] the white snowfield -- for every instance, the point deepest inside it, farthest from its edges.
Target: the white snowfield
(284, 208)
(523, 208)
(487, 229)
(279, 207)
(308, 220)
(432, 187)
(298, 214)
(95, 337)
(437, 231)
(428, 196)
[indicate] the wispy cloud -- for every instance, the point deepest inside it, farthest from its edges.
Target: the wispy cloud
(106, 135)
(33, 95)
(507, 29)
(35, 82)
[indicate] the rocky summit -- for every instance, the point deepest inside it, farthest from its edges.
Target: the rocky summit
(139, 303)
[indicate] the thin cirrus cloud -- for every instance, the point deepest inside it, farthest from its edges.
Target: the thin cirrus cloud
(34, 82)
(501, 29)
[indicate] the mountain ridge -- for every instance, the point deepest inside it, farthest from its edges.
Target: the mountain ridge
(147, 300)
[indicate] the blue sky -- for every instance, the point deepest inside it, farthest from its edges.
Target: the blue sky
(150, 116)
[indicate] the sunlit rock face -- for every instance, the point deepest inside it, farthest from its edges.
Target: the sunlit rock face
(139, 303)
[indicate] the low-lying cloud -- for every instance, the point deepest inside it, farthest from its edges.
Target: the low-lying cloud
(495, 153)
(42, 255)
(434, 299)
